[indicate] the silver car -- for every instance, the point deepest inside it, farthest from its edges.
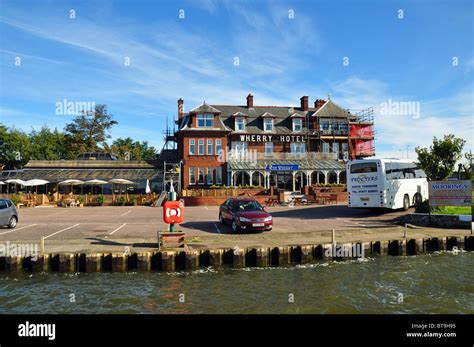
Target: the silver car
(8, 214)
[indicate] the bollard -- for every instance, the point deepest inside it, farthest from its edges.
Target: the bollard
(132, 261)
(42, 244)
(318, 252)
(392, 248)
(402, 247)
(333, 236)
(274, 256)
(106, 262)
(13, 263)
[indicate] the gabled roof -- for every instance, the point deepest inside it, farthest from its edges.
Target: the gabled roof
(331, 110)
(240, 114)
(205, 108)
(297, 115)
(268, 115)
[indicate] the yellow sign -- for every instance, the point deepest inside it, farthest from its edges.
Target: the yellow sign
(450, 193)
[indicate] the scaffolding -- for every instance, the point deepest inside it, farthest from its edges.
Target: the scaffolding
(361, 134)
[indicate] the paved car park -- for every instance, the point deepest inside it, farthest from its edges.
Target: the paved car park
(112, 228)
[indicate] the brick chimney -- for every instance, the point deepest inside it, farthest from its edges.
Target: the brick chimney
(180, 109)
(250, 101)
(319, 102)
(304, 103)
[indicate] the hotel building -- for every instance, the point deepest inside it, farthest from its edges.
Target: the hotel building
(280, 146)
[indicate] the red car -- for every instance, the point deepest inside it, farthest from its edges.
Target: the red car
(245, 214)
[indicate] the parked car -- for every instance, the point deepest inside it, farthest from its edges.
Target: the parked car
(245, 214)
(8, 213)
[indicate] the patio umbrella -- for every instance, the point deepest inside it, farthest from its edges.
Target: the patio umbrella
(1, 184)
(14, 181)
(121, 181)
(70, 183)
(35, 183)
(147, 188)
(96, 182)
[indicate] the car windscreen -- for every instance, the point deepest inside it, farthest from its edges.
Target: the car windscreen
(363, 168)
(247, 206)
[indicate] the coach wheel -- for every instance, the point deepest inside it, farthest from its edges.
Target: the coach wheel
(406, 202)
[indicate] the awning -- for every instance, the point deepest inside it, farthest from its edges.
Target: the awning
(313, 165)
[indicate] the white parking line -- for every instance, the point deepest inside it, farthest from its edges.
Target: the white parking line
(124, 214)
(60, 231)
(217, 228)
(10, 231)
(120, 227)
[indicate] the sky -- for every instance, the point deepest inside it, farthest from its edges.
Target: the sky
(412, 62)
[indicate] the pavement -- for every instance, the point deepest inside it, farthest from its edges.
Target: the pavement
(114, 229)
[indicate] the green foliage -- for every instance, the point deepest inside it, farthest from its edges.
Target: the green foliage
(136, 150)
(100, 199)
(48, 145)
(15, 148)
(440, 159)
(89, 130)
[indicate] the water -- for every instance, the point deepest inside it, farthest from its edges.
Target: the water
(433, 283)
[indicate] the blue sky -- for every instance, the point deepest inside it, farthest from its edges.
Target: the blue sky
(390, 59)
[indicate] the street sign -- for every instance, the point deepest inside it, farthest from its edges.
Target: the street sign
(284, 167)
(450, 193)
(173, 212)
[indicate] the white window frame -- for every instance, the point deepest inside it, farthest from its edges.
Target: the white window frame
(201, 146)
(268, 145)
(270, 121)
(218, 146)
(192, 144)
(192, 176)
(209, 173)
(236, 123)
(201, 173)
(210, 146)
(205, 117)
(218, 175)
(295, 121)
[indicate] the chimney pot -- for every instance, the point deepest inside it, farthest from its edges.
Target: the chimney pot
(304, 103)
(250, 101)
(180, 108)
(318, 103)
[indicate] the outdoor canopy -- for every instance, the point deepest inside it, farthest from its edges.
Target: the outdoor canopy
(35, 182)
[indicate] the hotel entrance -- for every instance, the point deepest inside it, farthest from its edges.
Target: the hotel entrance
(284, 180)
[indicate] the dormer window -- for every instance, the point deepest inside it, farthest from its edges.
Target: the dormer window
(297, 125)
(239, 124)
(205, 120)
(268, 124)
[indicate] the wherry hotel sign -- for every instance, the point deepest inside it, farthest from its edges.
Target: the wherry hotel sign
(450, 193)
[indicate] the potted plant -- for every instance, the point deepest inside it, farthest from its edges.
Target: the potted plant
(80, 201)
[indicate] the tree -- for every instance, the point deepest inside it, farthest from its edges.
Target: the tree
(440, 159)
(89, 130)
(134, 149)
(15, 148)
(49, 145)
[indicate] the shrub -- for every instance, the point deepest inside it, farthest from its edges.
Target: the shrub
(100, 199)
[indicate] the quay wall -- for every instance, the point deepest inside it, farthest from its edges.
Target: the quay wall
(178, 260)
